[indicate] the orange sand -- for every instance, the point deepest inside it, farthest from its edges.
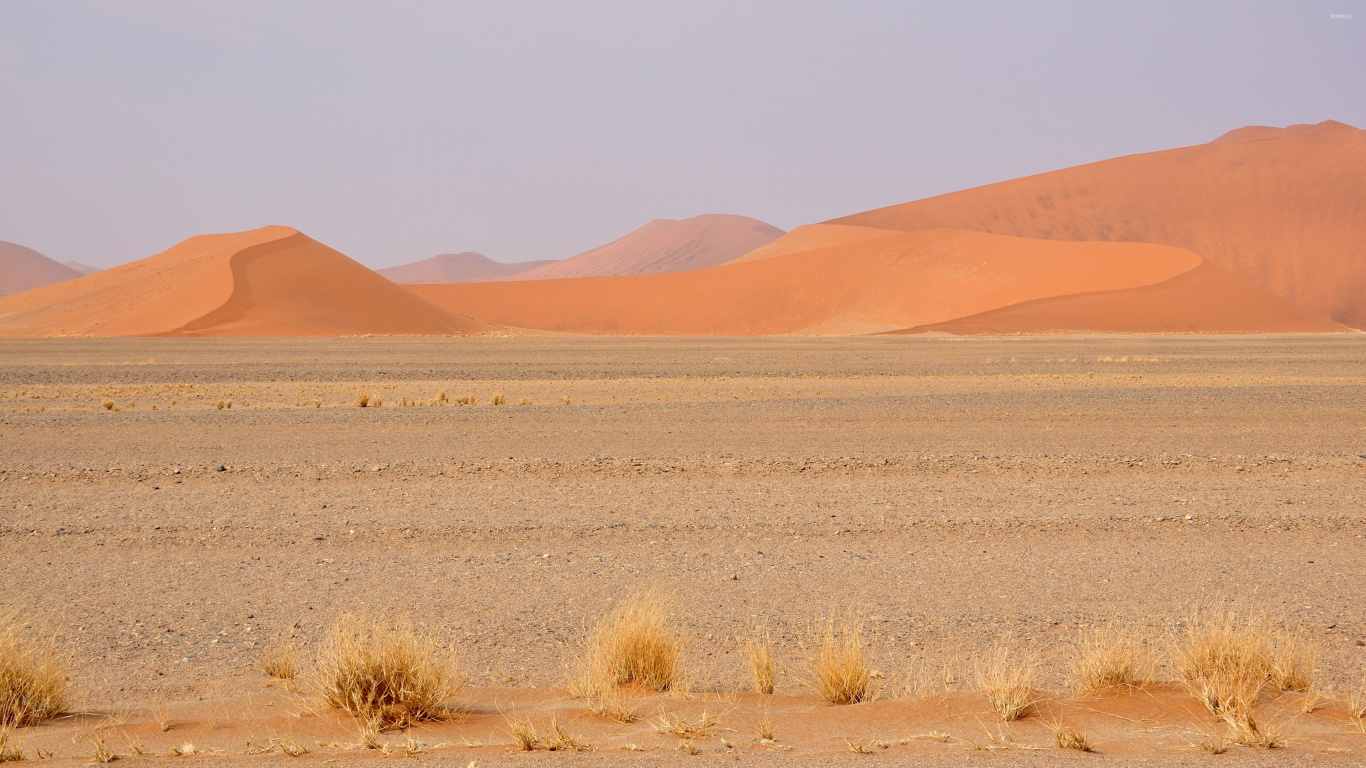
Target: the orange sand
(898, 281)
(1282, 208)
(665, 245)
(272, 281)
(465, 267)
(23, 269)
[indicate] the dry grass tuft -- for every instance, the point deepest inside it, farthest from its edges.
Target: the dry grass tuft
(614, 705)
(187, 749)
(564, 399)
(557, 739)
(467, 400)
(162, 712)
(759, 652)
(636, 643)
(523, 733)
(10, 752)
(387, 673)
(1213, 743)
(278, 662)
(1007, 683)
(1291, 666)
(498, 399)
(526, 401)
(108, 405)
(858, 747)
(704, 726)
(1066, 738)
(1224, 661)
(441, 397)
(839, 664)
(103, 754)
(33, 678)
(765, 728)
(363, 400)
(1110, 657)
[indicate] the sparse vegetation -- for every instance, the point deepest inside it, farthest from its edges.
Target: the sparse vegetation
(385, 672)
(33, 678)
(1008, 683)
(564, 399)
(11, 751)
(278, 661)
(765, 728)
(108, 405)
(701, 727)
(523, 733)
(613, 704)
(759, 654)
(466, 400)
(838, 663)
(635, 643)
(1067, 738)
(363, 400)
(526, 401)
(162, 712)
(1109, 657)
(102, 753)
(497, 399)
(557, 739)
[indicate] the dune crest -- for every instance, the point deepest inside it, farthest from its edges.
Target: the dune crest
(1279, 207)
(889, 283)
(23, 269)
(272, 281)
(665, 245)
(466, 267)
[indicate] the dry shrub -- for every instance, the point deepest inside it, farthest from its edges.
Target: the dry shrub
(1292, 663)
(1008, 683)
(564, 399)
(557, 739)
(278, 662)
(759, 652)
(526, 401)
(102, 753)
(764, 727)
(635, 644)
(363, 400)
(1225, 660)
(839, 663)
(10, 752)
(467, 400)
(108, 405)
(387, 673)
(523, 733)
(1066, 738)
(1109, 657)
(33, 678)
(498, 399)
(441, 397)
(162, 712)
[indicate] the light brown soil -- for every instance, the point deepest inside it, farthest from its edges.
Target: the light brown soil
(960, 492)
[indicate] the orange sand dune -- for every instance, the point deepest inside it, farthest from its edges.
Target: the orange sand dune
(272, 281)
(1207, 299)
(665, 245)
(898, 281)
(1283, 208)
(23, 269)
(810, 237)
(467, 267)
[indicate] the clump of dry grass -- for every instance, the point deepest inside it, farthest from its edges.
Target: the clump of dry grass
(162, 712)
(703, 726)
(764, 728)
(363, 400)
(526, 401)
(1109, 657)
(759, 653)
(391, 674)
(1292, 663)
(33, 678)
(1066, 738)
(278, 661)
(498, 399)
(441, 397)
(467, 400)
(838, 664)
(636, 643)
(523, 733)
(1008, 683)
(614, 705)
(564, 399)
(108, 405)
(10, 752)
(102, 753)
(557, 739)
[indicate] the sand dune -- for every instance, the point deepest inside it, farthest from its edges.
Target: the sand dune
(1282, 208)
(23, 269)
(272, 281)
(892, 282)
(465, 267)
(811, 237)
(82, 269)
(665, 245)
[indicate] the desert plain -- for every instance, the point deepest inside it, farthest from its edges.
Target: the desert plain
(174, 510)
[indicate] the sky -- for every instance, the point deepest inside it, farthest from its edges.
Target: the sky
(396, 131)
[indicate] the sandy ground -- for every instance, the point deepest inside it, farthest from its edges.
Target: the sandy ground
(958, 492)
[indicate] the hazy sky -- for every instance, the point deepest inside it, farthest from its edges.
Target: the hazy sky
(395, 131)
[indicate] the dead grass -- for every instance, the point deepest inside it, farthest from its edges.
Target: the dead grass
(759, 653)
(1109, 657)
(614, 705)
(466, 400)
(33, 679)
(102, 753)
(765, 727)
(564, 399)
(363, 400)
(838, 664)
(386, 672)
(498, 399)
(526, 401)
(635, 644)
(1008, 683)
(1067, 738)
(162, 713)
(523, 733)
(1224, 660)
(278, 662)
(557, 739)
(1293, 662)
(703, 726)
(10, 751)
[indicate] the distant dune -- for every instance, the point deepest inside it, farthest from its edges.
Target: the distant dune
(272, 281)
(665, 245)
(465, 267)
(22, 269)
(1282, 208)
(896, 281)
(83, 269)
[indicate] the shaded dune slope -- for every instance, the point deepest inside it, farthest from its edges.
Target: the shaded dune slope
(273, 281)
(456, 268)
(877, 284)
(23, 269)
(1207, 299)
(665, 245)
(1283, 208)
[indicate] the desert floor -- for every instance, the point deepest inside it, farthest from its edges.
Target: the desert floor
(958, 493)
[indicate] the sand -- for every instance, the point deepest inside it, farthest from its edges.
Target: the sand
(465, 267)
(959, 491)
(22, 269)
(876, 284)
(665, 245)
(83, 269)
(273, 281)
(1280, 208)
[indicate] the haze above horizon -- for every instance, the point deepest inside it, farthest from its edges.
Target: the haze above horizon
(539, 131)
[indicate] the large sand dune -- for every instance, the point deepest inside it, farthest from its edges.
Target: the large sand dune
(465, 267)
(665, 245)
(23, 269)
(272, 281)
(893, 281)
(1283, 208)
